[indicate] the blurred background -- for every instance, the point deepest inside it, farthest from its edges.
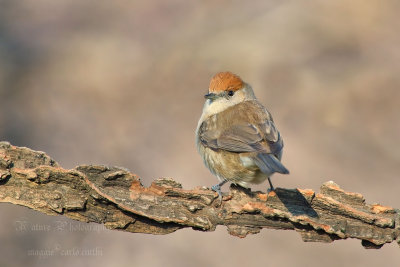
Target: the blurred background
(122, 83)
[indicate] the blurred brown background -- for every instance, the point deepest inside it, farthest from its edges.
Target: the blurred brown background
(122, 83)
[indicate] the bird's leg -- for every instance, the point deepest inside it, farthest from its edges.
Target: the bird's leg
(217, 188)
(271, 187)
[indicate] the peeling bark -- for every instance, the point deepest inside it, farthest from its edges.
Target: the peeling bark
(116, 198)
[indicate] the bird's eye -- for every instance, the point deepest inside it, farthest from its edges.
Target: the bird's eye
(231, 93)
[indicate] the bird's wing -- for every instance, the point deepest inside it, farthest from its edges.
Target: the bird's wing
(238, 136)
(241, 138)
(231, 131)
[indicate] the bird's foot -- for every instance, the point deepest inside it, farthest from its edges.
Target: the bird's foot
(217, 188)
(271, 187)
(270, 190)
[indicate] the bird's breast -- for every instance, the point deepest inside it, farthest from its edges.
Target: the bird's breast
(234, 167)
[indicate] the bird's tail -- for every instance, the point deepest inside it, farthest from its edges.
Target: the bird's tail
(269, 164)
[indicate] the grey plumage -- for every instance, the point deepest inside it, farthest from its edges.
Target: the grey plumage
(236, 136)
(230, 133)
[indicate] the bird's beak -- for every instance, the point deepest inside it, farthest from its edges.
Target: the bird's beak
(211, 96)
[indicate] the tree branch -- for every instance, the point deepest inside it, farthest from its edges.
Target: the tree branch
(116, 198)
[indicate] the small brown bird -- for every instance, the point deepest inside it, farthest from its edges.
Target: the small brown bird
(236, 136)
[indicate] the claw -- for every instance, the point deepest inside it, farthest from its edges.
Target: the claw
(271, 186)
(217, 188)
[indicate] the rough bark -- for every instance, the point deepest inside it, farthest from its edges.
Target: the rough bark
(116, 198)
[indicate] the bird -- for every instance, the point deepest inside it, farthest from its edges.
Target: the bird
(236, 135)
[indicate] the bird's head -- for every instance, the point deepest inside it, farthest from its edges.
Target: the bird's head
(226, 90)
